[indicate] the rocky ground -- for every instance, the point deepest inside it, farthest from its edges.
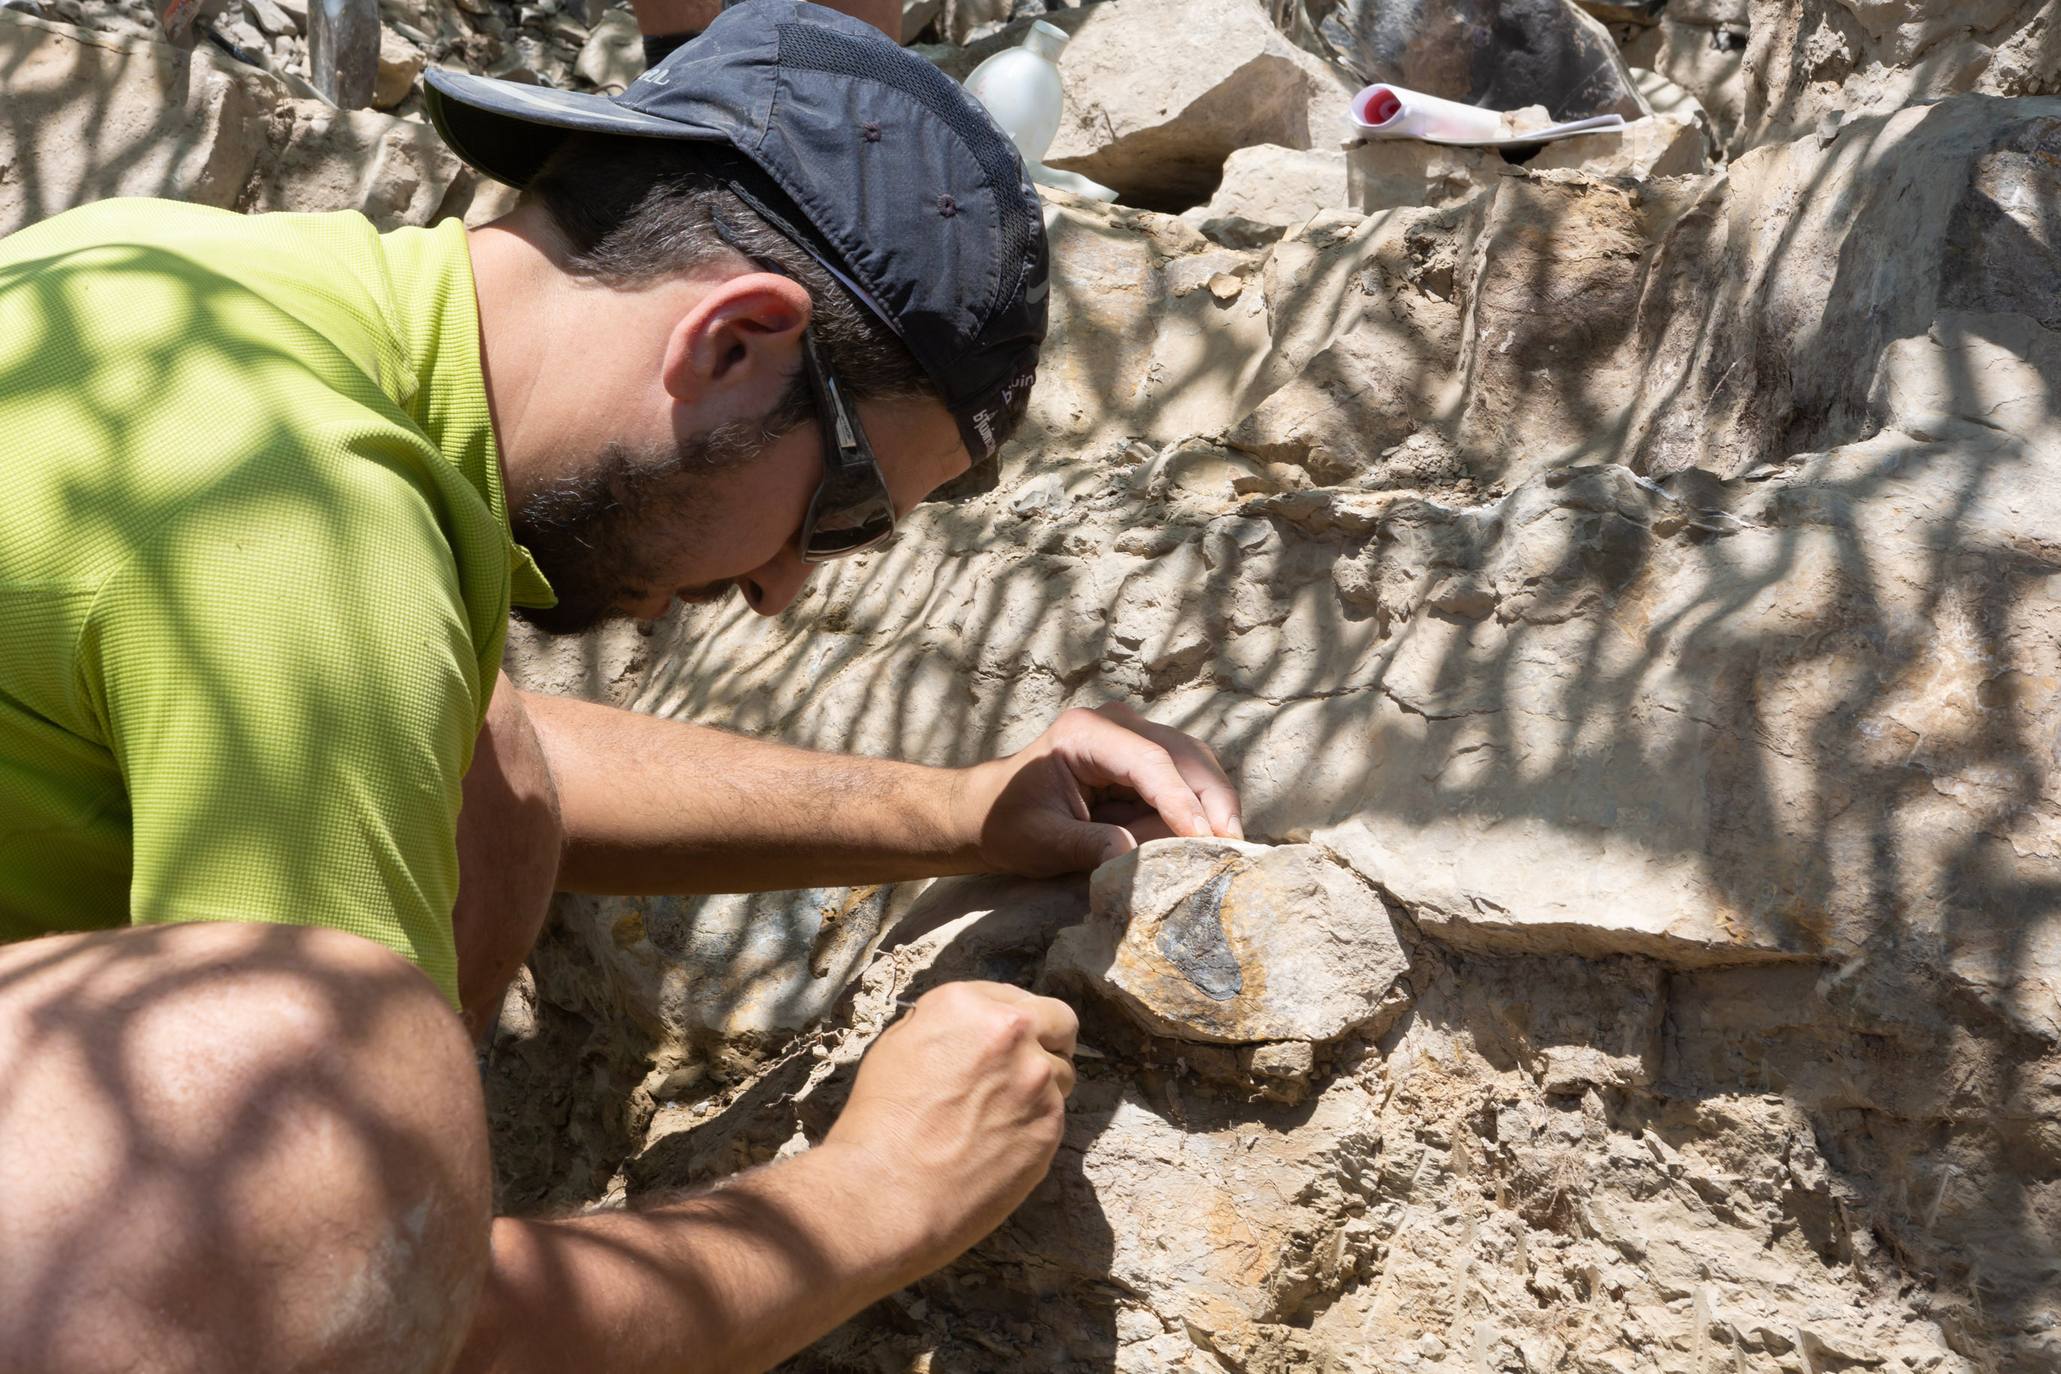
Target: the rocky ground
(1626, 584)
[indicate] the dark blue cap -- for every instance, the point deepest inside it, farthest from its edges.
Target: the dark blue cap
(906, 191)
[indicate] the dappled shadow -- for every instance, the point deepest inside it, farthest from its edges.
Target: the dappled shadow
(211, 1131)
(1802, 707)
(81, 120)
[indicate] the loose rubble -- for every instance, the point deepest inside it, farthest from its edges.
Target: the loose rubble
(1623, 581)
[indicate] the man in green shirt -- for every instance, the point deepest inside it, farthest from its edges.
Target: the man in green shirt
(269, 813)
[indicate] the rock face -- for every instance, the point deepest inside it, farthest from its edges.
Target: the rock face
(1234, 943)
(1644, 579)
(1625, 586)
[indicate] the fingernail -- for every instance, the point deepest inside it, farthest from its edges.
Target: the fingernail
(1200, 829)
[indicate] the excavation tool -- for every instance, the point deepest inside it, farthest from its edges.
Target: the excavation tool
(343, 50)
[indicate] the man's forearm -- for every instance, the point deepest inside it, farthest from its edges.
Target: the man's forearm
(727, 1281)
(659, 806)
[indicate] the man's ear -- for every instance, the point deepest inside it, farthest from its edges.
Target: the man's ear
(738, 339)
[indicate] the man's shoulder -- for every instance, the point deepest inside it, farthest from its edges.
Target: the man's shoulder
(204, 286)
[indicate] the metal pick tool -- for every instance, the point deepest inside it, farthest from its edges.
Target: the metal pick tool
(343, 50)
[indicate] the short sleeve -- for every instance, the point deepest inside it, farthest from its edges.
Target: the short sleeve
(285, 677)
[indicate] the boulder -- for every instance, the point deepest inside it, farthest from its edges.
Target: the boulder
(1271, 187)
(87, 116)
(1160, 93)
(1707, 59)
(1838, 60)
(1216, 940)
(1659, 145)
(400, 62)
(613, 55)
(1500, 54)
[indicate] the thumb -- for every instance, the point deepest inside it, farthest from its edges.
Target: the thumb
(1060, 844)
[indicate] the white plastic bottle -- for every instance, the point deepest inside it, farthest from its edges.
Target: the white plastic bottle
(1020, 87)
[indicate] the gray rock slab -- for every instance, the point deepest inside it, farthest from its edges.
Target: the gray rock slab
(1221, 941)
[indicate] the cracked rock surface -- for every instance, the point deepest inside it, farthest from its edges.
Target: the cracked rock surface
(1640, 570)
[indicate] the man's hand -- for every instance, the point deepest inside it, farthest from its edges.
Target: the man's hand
(958, 1108)
(1095, 785)
(954, 1118)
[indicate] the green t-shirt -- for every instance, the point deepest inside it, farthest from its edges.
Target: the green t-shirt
(255, 572)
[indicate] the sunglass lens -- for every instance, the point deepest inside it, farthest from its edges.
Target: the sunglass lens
(827, 542)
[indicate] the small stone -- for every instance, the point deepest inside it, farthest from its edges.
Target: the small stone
(1226, 287)
(400, 62)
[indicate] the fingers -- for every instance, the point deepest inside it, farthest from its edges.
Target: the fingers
(1177, 775)
(1198, 766)
(1054, 1021)
(1064, 845)
(1104, 753)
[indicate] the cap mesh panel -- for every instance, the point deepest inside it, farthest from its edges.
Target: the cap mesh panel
(825, 50)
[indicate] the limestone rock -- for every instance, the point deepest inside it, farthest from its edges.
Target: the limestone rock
(1399, 173)
(613, 55)
(916, 16)
(400, 62)
(1840, 60)
(1708, 59)
(1266, 185)
(269, 16)
(1660, 145)
(394, 171)
(1216, 940)
(1160, 93)
(961, 21)
(88, 116)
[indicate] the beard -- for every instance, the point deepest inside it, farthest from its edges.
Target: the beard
(603, 534)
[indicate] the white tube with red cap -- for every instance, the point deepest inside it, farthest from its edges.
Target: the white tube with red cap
(1385, 111)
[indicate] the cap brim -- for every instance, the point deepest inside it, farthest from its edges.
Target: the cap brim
(500, 127)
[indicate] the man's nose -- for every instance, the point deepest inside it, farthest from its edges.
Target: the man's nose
(772, 588)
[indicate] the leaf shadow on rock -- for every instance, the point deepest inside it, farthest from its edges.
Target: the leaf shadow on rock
(1811, 685)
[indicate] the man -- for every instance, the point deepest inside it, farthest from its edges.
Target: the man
(266, 481)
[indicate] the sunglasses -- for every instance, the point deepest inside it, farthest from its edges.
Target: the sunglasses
(852, 510)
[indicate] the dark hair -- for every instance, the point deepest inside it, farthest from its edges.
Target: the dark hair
(633, 211)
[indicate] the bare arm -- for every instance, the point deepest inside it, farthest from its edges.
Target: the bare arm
(659, 806)
(692, 16)
(653, 806)
(954, 1117)
(725, 1281)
